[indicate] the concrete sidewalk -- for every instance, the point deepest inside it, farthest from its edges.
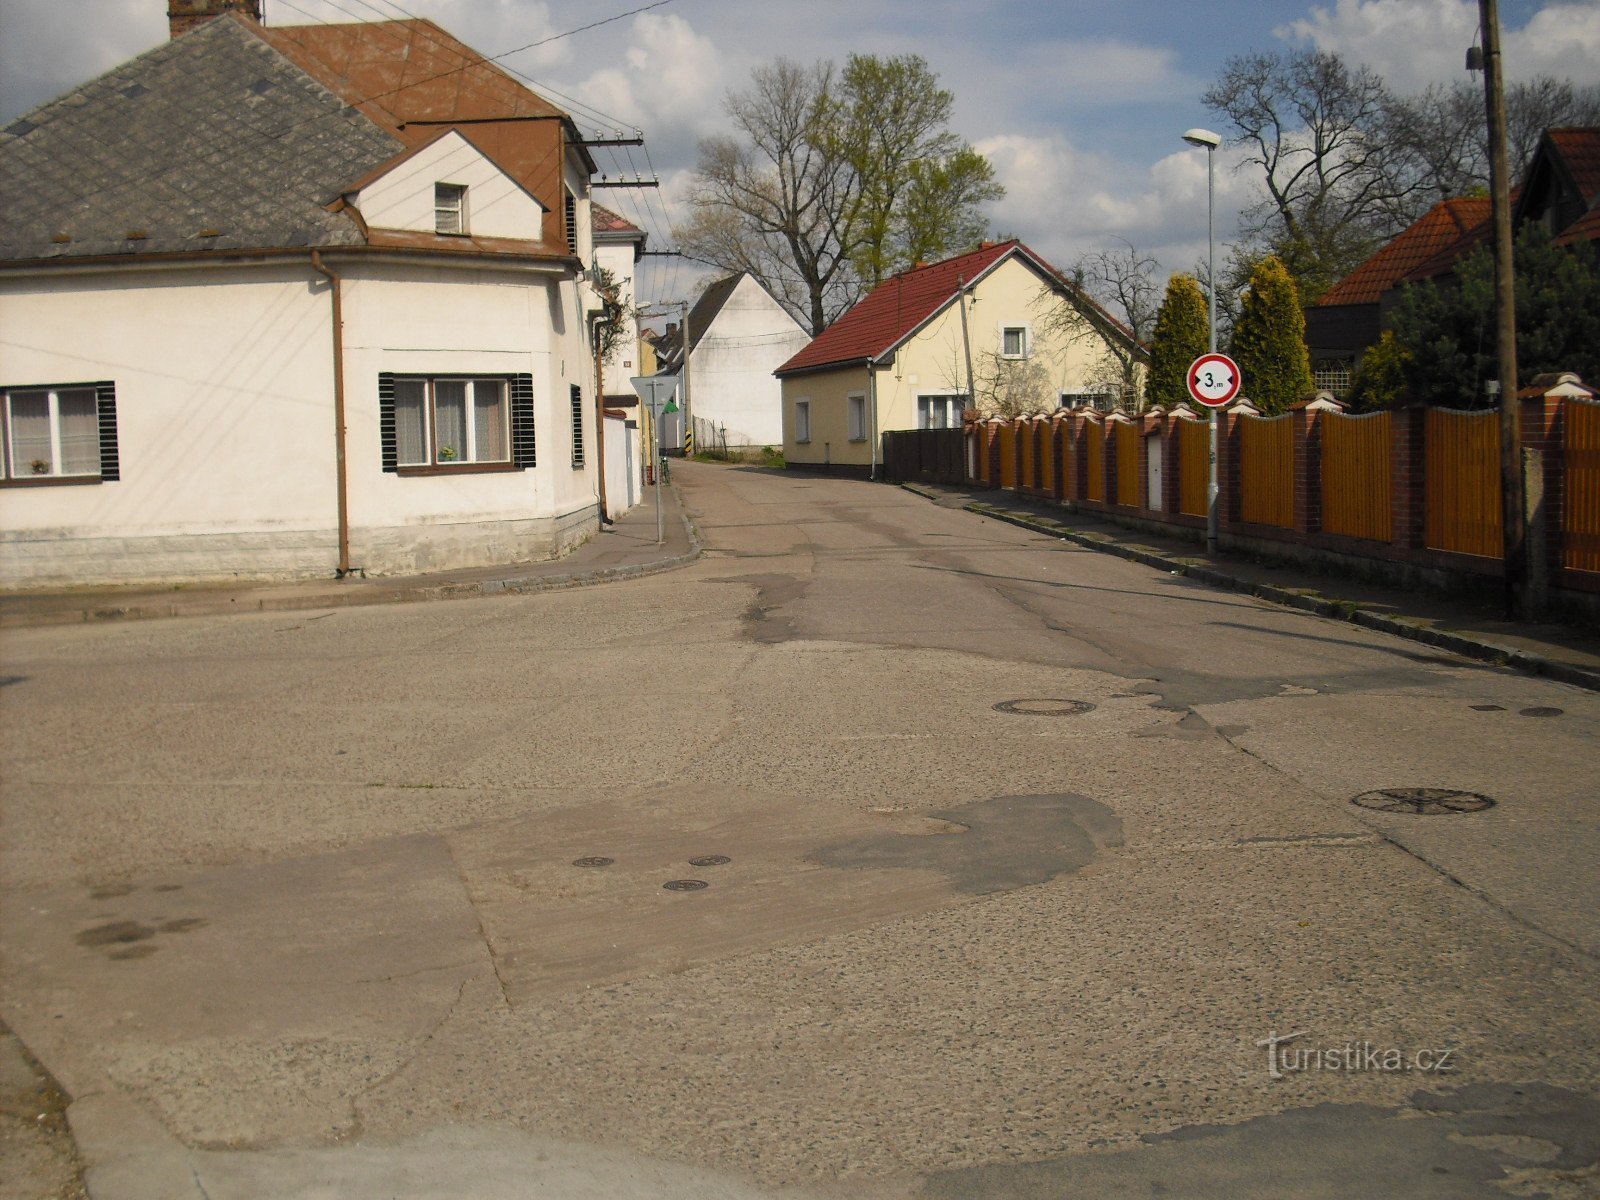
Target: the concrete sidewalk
(627, 548)
(1460, 624)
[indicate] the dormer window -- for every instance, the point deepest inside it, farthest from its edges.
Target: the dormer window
(449, 208)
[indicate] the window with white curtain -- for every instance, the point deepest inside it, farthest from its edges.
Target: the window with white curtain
(940, 412)
(445, 422)
(802, 420)
(51, 433)
(858, 418)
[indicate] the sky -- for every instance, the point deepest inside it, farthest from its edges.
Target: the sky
(1079, 104)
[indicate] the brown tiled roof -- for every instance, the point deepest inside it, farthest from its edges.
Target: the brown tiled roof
(1432, 238)
(603, 220)
(1580, 150)
(894, 308)
(1585, 229)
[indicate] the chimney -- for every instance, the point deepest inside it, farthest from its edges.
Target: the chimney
(184, 15)
(672, 330)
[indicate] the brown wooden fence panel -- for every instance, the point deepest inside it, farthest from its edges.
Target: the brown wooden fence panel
(1008, 454)
(1462, 462)
(1194, 466)
(1127, 438)
(1580, 522)
(1266, 470)
(1095, 461)
(925, 455)
(1355, 475)
(1049, 433)
(1028, 431)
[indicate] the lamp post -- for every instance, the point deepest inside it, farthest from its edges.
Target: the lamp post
(1204, 137)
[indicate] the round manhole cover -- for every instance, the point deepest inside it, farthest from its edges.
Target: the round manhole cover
(685, 885)
(594, 860)
(1422, 801)
(710, 860)
(1540, 712)
(1044, 707)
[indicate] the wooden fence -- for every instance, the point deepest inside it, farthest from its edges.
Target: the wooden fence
(1008, 454)
(1357, 500)
(924, 455)
(1126, 437)
(1266, 470)
(1462, 471)
(1580, 518)
(1094, 446)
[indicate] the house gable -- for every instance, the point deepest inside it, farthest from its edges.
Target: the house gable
(402, 195)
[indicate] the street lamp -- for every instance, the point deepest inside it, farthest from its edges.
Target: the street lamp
(1204, 137)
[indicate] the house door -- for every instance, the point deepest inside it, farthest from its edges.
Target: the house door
(1153, 458)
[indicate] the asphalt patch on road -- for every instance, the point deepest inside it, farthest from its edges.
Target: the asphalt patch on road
(762, 624)
(1485, 1140)
(1010, 842)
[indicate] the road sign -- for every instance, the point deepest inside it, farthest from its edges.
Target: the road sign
(654, 389)
(1214, 379)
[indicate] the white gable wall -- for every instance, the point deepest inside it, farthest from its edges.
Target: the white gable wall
(731, 381)
(224, 395)
(403, 198)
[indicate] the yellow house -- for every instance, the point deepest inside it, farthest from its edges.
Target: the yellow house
(910, 356)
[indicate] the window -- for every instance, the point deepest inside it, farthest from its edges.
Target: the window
(1102, 400)
(940, 412)
(802, 420)
(858, 418)
(60, 434)
(1014, 341)
(577, 426)
(449, 208)
(444, 423)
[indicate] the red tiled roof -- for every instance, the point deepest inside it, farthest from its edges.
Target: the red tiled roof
(894, 308)
(1580, 150)
(1585, 229)
(1446, 226)
(603, 220)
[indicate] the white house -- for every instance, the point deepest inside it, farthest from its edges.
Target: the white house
(266, 313)
(738, 335)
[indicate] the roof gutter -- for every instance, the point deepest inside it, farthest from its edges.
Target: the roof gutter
(343, 480)
(563, 267)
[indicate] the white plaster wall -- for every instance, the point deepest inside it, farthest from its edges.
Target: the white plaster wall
(623, 361)
(496, 205)
(623, 474)
(226, 430)
(436, 320)
(224, 424)
(730, 370)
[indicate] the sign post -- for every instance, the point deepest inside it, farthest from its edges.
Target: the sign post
(656, 391)
(1214, 381)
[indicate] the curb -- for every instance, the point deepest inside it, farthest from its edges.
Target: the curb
(1340, 610)
(399, 594)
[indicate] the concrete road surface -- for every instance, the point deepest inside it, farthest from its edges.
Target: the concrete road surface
(998, 869)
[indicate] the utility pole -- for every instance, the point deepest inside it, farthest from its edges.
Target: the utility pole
(1511, 479)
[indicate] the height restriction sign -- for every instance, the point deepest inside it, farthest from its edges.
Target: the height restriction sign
(1214, 379)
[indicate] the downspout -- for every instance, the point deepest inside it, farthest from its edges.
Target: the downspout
(343, 486)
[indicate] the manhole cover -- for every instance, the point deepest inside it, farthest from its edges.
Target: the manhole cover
(710, 860)
(1422, 801)
(685, 885)
(1541, 712)
(1486, 708)
(1048, 707)
(593, 860)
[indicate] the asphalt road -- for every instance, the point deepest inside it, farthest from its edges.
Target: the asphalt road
(1028, 852)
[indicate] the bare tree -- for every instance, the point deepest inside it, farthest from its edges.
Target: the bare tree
(836, 181)
(1121, 280)
(1314, 128)
(777, 203)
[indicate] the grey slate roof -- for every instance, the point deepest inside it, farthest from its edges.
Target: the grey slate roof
(701, 317)
(213, 131)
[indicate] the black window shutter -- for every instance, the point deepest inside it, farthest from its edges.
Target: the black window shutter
(386, 433)
(522, 443)
(571, 214)
(105, 403)
(577, 426)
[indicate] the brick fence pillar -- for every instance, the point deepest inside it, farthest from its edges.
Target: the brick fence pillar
(1407, 482)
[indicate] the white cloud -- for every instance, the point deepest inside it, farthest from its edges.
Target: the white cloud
(1413, 43)
(1064, 202)
(671, 79)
